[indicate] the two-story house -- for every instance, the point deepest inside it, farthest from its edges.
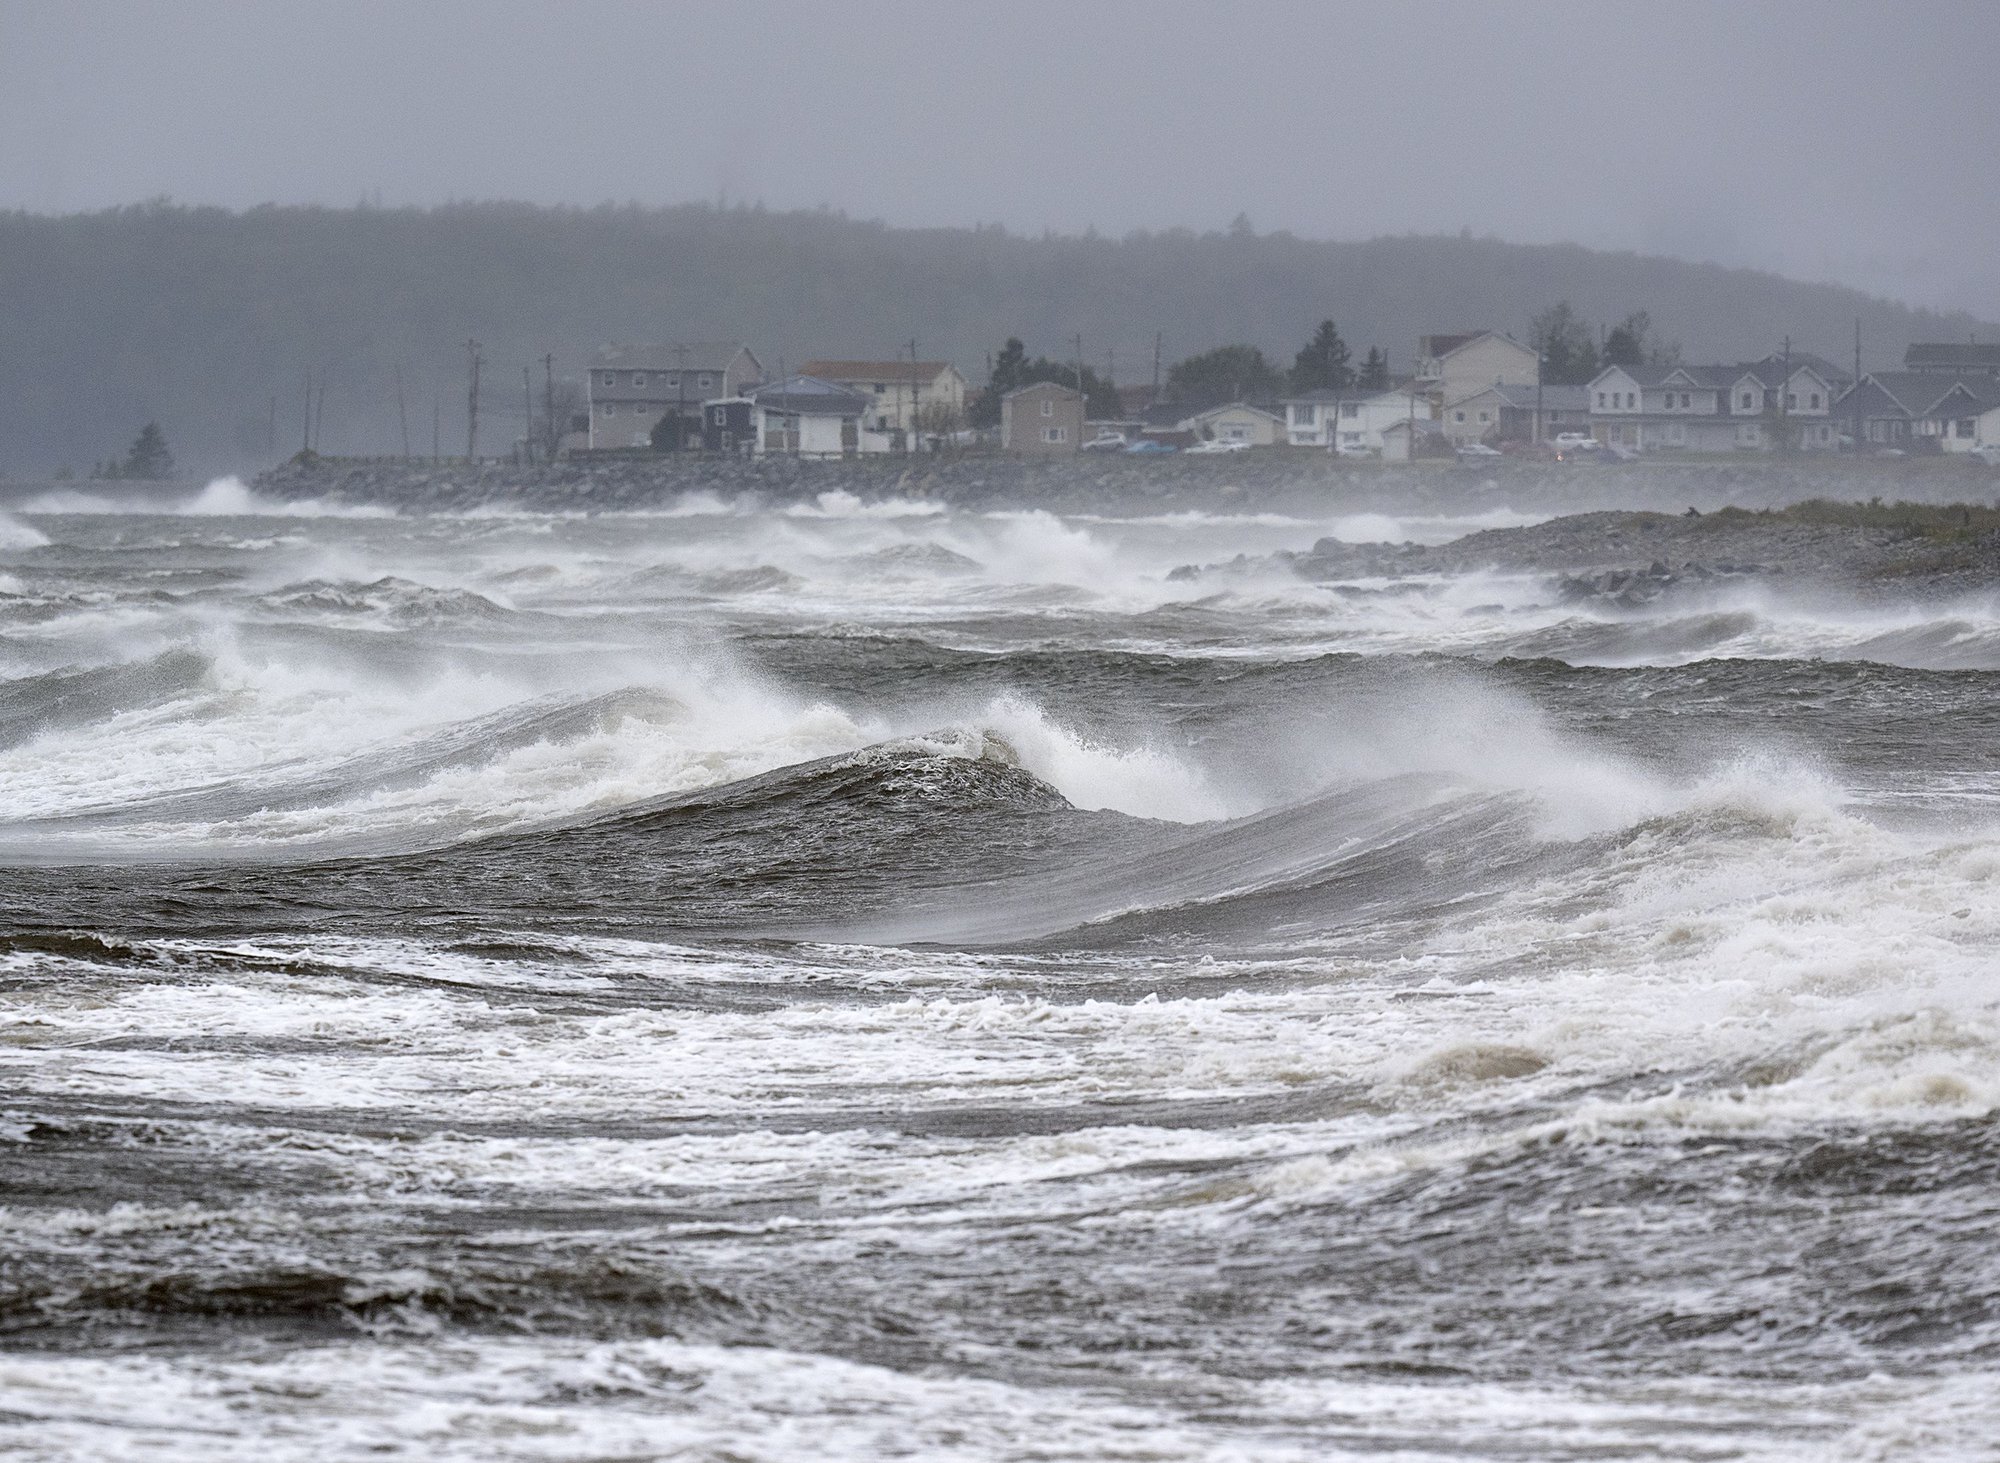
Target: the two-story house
(1041, 419)
(1718, 408)
(1452, 367)
(632, 388)
(1912, 408)
(909, 396)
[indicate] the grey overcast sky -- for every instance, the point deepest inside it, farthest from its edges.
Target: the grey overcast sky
(1844, 140)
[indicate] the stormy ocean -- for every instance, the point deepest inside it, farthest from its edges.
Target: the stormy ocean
(871, 980)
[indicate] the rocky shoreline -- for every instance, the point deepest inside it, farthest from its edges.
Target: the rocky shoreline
(1623, 559)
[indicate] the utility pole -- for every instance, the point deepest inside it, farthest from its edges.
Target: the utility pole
(1158, 338)
(551, 438)
(1082, 401)
(319, 416)
(306, 431)
(271, 432)
(1856, 413)
(681, 396)
(527, 415)
(437, 431)
(472, 404)
(1785, 402)
(402, 412)
(916, 396)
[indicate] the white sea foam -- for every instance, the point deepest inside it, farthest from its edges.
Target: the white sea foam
(14, 534)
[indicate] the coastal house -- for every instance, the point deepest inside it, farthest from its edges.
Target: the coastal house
(1364, 419)
(1312, 418)
(1508, 414)
(909, 396)
(1716, 408)
(631, 389)
(1237, 422)
(802, 416)
(1451, 367)
(1911, 408)
(1041, 419)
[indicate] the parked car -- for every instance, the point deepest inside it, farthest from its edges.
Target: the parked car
(1575, 442)
(1110, 442)
(1988, 454)
(1355, 449)
(1147, 447)
(1479, 449)
(1217, 445)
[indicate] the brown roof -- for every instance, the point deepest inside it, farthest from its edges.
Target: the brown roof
(921, 372)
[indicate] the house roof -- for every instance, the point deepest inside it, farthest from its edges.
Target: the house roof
(1318, 396)
(810, 396)
(691, 355)
(1216, 411)
(1041, 386)
(1951, 356)
(1554, 398)
(921, 373)
(1918, 393)
(1441, 346)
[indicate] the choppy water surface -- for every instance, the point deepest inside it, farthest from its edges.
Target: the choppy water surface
(873, 981)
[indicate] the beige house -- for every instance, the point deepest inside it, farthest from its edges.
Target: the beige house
(1043, 419)
(632, 387)
(1237, 422)
(1452, 367)
(925, 396)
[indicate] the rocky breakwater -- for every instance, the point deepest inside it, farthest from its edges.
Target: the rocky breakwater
(1269, 479)
(1626, 559)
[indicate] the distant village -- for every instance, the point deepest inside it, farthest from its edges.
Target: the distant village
(1469, 394)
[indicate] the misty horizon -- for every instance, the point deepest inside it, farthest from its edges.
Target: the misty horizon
(1773, 138)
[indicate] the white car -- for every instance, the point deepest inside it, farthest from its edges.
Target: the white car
(1575, 442)
(1355, 449)
(1479, 449)
(1218, 445)
(1109, 442)
(1988, 454)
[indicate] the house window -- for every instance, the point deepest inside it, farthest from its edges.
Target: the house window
(610, 378)
(1746, 401)
(1485, 417)
(1600, 401)
(706, 380)
(1815, 401)
(881, 388)
(611, 408)
(1302, 416)
(638, 378)
(1791, 401)
(1350, 409)
(1048, 408)
(1458, 416)
(1056, 434)
(1687, 400)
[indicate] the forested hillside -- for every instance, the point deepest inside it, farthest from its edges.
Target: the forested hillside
(209, 321)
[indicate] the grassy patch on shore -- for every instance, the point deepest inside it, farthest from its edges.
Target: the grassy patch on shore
(1942, 522)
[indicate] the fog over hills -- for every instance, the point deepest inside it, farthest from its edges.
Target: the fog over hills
(209, 320)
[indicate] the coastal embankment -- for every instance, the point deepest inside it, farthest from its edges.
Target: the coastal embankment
(1274, 480)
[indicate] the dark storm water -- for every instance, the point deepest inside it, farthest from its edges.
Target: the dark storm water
(883, 982)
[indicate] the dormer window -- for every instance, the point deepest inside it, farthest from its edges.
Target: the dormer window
(1815, 400)
(1746, 403)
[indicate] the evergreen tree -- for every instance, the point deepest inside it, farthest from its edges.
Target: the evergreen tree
(1569, 354)
(1374, 371)
(1628, 343)
(1012, 369)
(1227, 373)
(1323, 364)
(148, 459)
